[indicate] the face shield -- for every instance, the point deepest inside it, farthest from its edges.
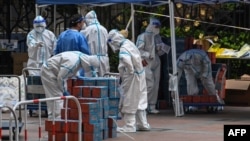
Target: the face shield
(155, 25)
(115, 39)
(39, 24)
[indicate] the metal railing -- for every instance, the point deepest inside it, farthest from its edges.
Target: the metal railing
(38, 101)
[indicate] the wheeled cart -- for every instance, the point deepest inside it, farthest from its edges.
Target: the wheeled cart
(209, 107)
(33, 90)
(205, 101)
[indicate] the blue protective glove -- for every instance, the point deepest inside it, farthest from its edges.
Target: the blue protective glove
(66, 93)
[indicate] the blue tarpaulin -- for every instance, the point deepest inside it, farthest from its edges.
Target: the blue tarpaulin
(63, 2)
(148, 2)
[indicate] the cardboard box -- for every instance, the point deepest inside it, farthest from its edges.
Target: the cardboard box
(245, 77)
(237, 92)
(19, 62)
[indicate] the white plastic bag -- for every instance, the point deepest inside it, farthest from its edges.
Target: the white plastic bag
(173, 82)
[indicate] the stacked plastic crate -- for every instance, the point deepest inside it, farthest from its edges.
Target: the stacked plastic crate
(113, 99)
(99, 100)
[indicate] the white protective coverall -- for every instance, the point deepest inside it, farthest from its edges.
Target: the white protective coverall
(97, 37)
(56, 71)
(41, 43)
(134, 98)
(151, 47)
(196, 65)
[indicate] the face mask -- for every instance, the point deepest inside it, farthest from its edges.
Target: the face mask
(156, 31)
(39, 29)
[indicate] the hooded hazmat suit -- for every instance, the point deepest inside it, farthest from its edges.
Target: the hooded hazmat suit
(41, 43)
(97, 36)
(196, 65)
(151, 47)
(56, 71)
(134, 98)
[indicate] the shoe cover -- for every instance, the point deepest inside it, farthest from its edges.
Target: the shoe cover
(129, 126)
(50, 117)
(221, 101)
(152, 110)
(46, 136)
(143, 128)
(141, 120)
(125, 129)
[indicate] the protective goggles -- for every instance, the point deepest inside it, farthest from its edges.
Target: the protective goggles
(39, 21)
(156, 24)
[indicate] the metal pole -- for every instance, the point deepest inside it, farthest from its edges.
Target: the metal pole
(133, 22)
(36, 6)
(173, 46)
(54, 23)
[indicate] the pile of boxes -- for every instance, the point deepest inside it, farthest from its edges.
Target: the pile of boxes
(19, 62)
(238, 91)
(99, 100)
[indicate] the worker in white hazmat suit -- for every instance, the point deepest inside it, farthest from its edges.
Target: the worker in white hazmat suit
(97, 36)
(151, 47)
(197, 65)
(41, 43)
(55, 72)
(134, 98)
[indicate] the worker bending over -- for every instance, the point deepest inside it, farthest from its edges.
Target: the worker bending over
(55, 72)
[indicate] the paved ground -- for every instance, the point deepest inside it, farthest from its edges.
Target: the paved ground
(196, 126)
